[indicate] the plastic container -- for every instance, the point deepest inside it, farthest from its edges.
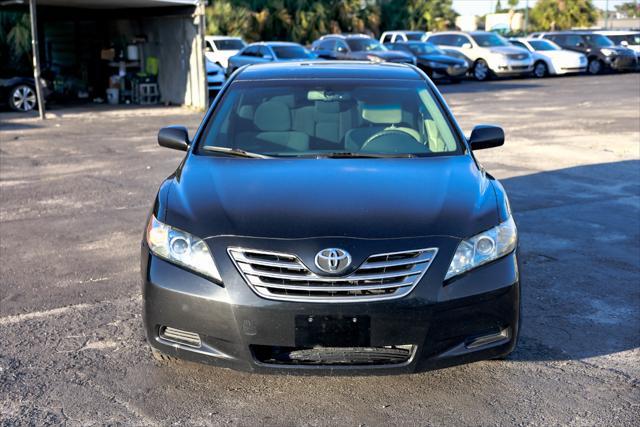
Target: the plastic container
(113, 96)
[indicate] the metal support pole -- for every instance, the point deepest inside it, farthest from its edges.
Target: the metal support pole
(526, 16)
(606, 15)
(36, 57)
(203, 65)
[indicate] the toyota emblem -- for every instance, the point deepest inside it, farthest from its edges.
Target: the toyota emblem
(333, 260)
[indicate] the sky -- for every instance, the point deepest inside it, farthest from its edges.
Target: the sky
(481, 7)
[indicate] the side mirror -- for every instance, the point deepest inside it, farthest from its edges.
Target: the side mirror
(466, 46)
(486, 136)
(175, 137)
(624, 43)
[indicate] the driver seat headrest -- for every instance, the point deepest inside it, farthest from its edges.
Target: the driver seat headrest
(389, 114)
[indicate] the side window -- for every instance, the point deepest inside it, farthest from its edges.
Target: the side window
(460, 41)
(264, 51)
(327, 45)
(250, 51)
(519, 44)
(208, 47)
(573, 40)
(387, 38)
(438, 40)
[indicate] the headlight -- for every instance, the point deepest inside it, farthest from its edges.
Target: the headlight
(374, 58)
(483, 248)
(607, 52)
(182, 248)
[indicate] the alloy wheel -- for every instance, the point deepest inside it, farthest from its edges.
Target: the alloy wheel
(23, 98)
(481, 70)
(540, 69)
(595, 66)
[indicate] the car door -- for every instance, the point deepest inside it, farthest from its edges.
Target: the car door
(576, 43)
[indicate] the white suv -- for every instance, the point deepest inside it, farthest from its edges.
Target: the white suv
(489, 53)
(218, 49)
(402, 36)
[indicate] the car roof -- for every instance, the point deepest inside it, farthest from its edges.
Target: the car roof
(275, 43)
(616, 32)
(319, 70)
(345, 36)
(222, 38)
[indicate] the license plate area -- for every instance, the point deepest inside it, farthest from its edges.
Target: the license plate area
(332, 331)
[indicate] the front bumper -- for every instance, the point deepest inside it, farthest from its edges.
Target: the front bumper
(623, 63)
(235, 325)
(510, 67)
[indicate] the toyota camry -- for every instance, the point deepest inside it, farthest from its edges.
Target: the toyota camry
(330, 217)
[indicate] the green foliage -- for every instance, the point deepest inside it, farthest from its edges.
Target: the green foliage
(563, 14)
(15, 39)
(305, 20)
(630, 9)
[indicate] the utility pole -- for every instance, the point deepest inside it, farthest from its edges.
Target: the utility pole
(36, 58)
(606, 15)
(526, 16)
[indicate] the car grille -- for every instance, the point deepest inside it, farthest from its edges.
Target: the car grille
(518, 56)
(389, 355)
(281, 276)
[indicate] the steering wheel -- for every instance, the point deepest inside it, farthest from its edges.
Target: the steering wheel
(394, 140)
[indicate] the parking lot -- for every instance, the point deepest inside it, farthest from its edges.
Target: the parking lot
(75, 191)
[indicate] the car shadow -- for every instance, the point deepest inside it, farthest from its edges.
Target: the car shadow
(580, 260)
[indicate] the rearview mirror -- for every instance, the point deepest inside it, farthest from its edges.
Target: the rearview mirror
(486, 136)
(175, 137)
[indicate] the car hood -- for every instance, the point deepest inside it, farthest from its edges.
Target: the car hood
(508, 50)
(302, 198)
(442, 59)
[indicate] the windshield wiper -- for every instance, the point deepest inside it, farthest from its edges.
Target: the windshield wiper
(351, 155)
(235, 152)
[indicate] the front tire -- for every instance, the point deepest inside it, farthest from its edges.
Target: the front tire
(481, 71)
(540, 69)
(595, 67)
(22, 98)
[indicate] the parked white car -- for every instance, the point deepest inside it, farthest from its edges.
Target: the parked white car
(215, 76)
(551, 59)
(402, 36)
(218, 49)
(490, 53)
(628, 39)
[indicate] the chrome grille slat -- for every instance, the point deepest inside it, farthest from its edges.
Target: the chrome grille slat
(285, 277)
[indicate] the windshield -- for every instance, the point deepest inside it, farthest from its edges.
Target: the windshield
(339, 118)
(362, 44)
(542, 45)
(229, 44)
(598, 40)
(425, 49)
(414, 36)
(292, 52)
(632, 39)
(490, 40)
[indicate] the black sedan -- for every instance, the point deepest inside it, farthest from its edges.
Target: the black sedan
(433, 60)
(19, 93)
(358, 47)
(330, 218)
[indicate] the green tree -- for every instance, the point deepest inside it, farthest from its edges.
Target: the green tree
(225, 17)
(563, 14)
(630, 9)
(429, 15)
(15, 40)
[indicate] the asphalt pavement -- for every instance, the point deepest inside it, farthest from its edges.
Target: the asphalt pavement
(74, 194)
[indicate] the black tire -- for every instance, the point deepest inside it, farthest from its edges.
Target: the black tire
(540, 69)
(161, 357)
(595, 66)
(481, 71)
(22, 98)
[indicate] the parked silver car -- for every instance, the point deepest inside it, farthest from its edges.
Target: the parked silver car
(263, 52)
(490, 53)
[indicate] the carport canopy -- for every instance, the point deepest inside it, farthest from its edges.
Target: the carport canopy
(109, 4)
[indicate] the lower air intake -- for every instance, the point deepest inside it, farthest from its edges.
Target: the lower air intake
(179, 336)
(390, 355)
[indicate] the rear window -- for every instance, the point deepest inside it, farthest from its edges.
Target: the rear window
(310, 117)
(229, 44)
(292, 52)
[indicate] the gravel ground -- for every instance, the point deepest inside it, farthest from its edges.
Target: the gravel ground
(75, 191)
